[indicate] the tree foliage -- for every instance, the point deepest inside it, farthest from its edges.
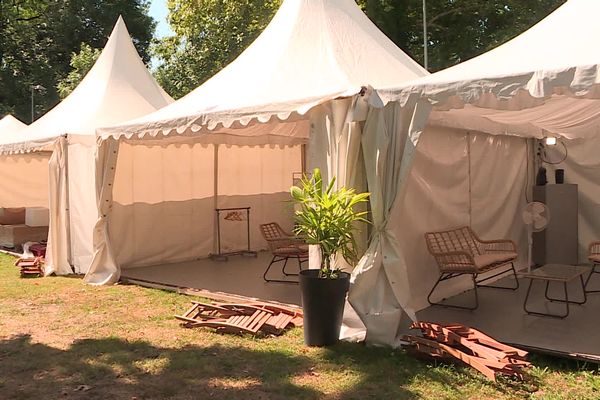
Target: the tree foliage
(38, 37)
(211, 33)
(457, 29)
(81, 63)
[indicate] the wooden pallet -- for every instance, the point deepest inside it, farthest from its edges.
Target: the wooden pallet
(461, 343)
(249, 317)
(31, 267)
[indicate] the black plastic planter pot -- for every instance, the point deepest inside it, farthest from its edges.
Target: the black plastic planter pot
(323, 305)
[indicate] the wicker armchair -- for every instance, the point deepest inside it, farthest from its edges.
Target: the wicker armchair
(460, 252)
(594, 257)
(283, 246)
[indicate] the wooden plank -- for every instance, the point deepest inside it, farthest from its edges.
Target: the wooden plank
(444, 335)
(472, 333)
(457, 354)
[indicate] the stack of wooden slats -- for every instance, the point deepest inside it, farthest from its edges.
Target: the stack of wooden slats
(457, 342)
(31, 267)
(241, 317)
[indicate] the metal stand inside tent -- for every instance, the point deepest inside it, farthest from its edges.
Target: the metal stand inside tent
(220, 256)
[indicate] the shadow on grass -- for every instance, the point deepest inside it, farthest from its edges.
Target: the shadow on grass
(116, 368)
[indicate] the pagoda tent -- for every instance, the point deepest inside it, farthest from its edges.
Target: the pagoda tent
(470, 156)
(296, 98)
(59, 149)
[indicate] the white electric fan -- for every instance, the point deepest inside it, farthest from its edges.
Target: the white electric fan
(536, 216)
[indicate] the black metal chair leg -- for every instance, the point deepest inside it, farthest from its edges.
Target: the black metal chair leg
(589, 277)
(289, 273)
(444, 277)
(277, 259)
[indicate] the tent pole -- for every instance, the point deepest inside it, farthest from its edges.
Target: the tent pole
(215, 197)
(303, 158)
(469, 176)
(425, 49)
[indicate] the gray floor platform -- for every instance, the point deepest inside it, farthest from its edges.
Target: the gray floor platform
(239, 275)
(501, 315)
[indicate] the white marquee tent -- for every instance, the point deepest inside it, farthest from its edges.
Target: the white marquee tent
(238, 138)
(51, 162)
(468, 156)
(11, 124)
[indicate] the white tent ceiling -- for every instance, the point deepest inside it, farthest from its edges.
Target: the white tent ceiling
(117, 88)
(311, 52)
(559, 116)
(10, 124)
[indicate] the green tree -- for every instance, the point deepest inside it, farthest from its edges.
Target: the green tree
(457, 29)
(211, 33)
(81, 63)
(38, 37)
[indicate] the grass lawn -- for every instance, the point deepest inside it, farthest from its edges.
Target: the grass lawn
(62, 339)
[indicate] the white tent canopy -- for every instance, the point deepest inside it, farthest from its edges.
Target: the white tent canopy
(11, 124)
(297, 84)
(542, 83)
(311, 52)
(117, 88)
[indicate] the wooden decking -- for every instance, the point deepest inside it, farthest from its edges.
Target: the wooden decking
(240, 275)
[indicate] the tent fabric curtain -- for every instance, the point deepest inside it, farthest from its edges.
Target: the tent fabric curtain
(104, 270)
(81, 202)
(57, 257)
(380, 293)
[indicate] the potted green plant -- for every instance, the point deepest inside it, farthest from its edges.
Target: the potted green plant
(326, 217)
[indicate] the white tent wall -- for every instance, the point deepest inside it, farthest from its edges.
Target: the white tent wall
(24, 180)
(163, 208)
(83, 212)
(460, 178)
(582, 167)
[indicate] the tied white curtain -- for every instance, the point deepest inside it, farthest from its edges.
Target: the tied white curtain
(104, 269)
(380, 292)
(57, 257)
